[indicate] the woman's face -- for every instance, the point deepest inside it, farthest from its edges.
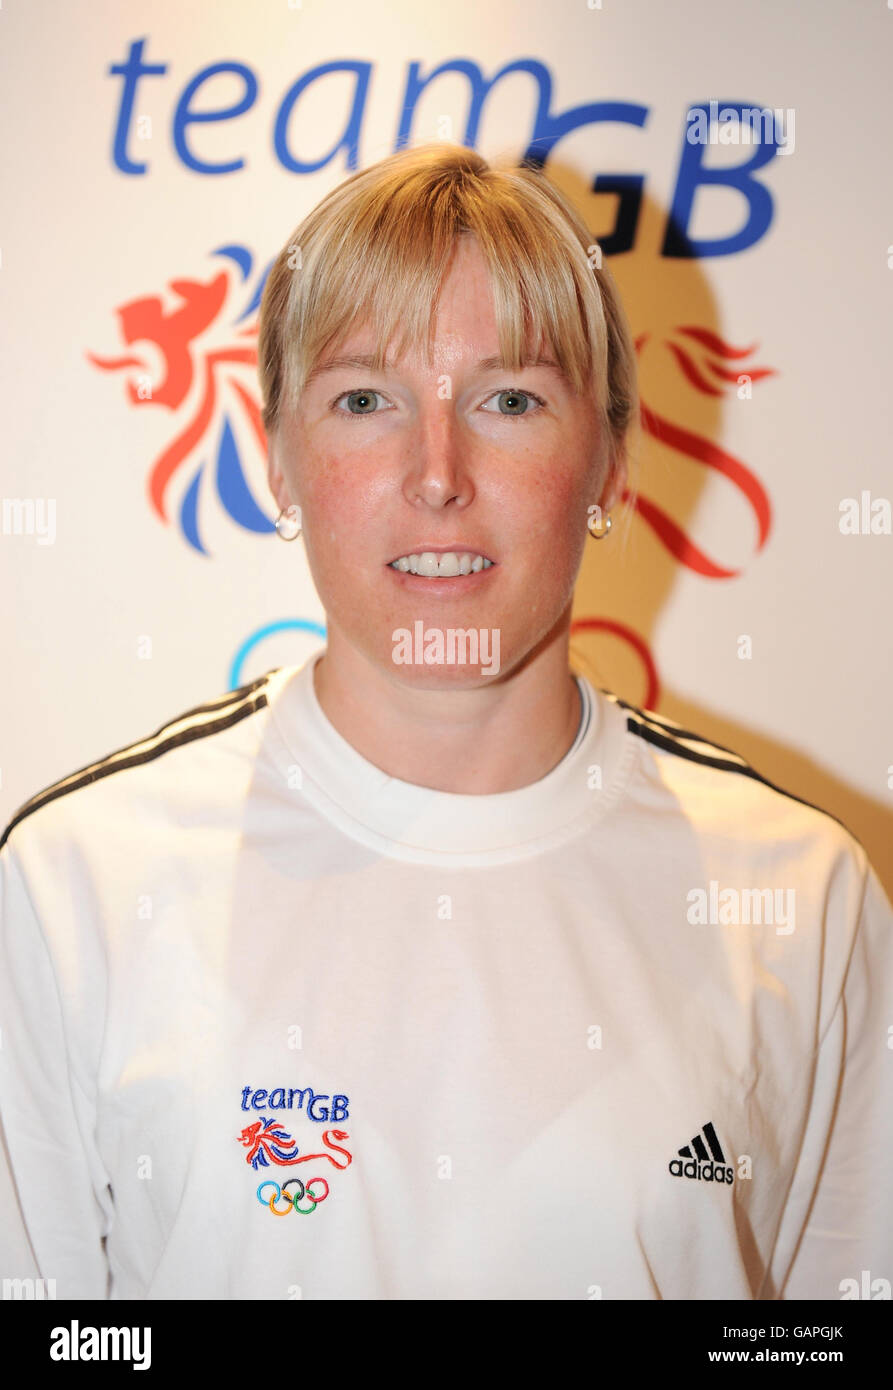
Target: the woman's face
(456, 456)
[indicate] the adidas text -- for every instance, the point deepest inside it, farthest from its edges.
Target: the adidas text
(707, 1172)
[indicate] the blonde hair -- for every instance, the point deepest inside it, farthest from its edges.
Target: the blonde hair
(378, 245)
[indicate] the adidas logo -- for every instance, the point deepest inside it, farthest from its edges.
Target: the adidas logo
(708, 1167)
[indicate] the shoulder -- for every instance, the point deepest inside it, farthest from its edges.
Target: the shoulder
(171, 752)
(715, 785)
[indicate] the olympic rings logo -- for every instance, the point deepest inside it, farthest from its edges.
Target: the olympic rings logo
(292, 1199)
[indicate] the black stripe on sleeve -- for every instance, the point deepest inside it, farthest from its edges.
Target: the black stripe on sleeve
(671, 744)
(245, 701)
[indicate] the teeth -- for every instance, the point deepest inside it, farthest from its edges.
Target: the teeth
(441, 566)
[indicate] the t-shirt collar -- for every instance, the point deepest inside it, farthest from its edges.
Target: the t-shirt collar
(421, 824)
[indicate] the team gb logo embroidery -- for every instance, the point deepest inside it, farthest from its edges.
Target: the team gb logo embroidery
(269, 1144)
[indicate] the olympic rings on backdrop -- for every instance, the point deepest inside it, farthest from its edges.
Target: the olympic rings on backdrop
(292, 1200)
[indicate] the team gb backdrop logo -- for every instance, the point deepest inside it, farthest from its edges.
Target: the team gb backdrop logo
(205, 335)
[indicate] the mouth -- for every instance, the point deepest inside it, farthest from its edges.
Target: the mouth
(442, 563)
(441, 572)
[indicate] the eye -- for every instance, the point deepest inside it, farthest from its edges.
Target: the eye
(516, 403)
(364, 401)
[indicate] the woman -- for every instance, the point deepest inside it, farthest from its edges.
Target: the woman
(428, 970)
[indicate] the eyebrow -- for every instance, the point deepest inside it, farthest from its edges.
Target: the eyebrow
(365, 362)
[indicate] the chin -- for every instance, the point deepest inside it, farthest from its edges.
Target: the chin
(444, 675)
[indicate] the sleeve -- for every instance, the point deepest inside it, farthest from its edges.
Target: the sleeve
(846, 1247)
(55, 1205)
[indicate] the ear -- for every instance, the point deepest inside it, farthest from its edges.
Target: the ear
(277, 483)
(615, 484)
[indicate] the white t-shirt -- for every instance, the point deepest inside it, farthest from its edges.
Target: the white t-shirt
(278, 1025)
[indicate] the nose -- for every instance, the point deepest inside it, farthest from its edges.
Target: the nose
(438, 469)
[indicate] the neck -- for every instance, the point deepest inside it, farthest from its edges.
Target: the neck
(476, 740)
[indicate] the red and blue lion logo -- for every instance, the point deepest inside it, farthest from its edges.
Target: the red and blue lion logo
(267, 1142)
(204, 350)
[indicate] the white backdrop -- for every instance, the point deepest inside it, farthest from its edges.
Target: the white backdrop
(133, 476)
